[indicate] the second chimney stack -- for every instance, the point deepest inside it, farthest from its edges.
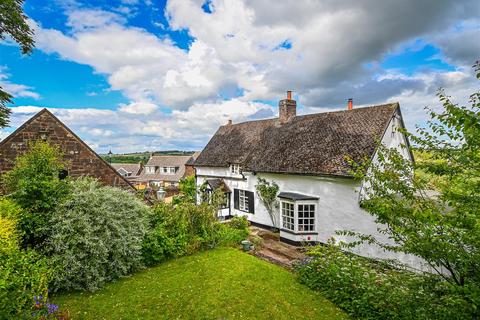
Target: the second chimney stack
(287, 108)
(350, 104)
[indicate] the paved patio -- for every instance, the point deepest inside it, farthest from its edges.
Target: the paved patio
(275, 251)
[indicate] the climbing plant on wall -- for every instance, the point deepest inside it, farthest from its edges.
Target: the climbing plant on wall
(267, 191)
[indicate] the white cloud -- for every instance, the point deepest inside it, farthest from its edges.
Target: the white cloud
(238, 46)
(139, 108)
(16, 90)
(126, 132)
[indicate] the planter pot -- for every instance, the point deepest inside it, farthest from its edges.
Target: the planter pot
(247, 245)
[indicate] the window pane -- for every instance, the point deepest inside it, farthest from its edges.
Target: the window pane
(306, 217)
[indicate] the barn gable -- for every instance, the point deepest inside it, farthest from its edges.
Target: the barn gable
(80, 158)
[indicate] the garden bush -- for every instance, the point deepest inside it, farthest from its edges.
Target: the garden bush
(23, 275)
(96, 236)
(9, 234)
(177, 230)
(33, 183)
(371, 290)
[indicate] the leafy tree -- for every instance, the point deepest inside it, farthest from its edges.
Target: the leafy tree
(34, 184)
(13, 22)
(267, 191)
(443, 229)
(188, 191)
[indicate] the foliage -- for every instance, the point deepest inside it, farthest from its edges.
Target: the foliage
(96, 236)
(176, 230)
(33, 183)
(9, 234)
(443, 230)
(188, 191)
(267, 191)
(239, 223)
(368, 290)
(213, 284)
(23, 275)
(13, 22)
(232, 232)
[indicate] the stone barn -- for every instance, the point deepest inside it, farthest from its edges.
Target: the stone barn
(80, 159)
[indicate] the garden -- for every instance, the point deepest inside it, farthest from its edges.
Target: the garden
(61, 235)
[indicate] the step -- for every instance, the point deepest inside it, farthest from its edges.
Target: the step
(269, 256)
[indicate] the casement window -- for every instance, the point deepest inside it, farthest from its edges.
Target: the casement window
(150, 170)
(168, 170)
(306, 217)
(288, 216)
(298, 216)
(235, 168)
(244, 200)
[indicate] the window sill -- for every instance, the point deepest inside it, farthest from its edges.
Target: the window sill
(300, 233)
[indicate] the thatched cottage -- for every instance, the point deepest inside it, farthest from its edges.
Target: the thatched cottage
(306, 156)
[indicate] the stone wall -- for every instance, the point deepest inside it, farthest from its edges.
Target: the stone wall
(80, 159)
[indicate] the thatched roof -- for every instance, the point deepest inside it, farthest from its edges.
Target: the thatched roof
(314, 144)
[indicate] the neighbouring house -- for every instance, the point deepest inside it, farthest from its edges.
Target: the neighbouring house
(306, 156)
(164, 171)
(80, 159)
(131, 171)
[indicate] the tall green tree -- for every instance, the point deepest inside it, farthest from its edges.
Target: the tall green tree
(441, 226)
(13, 23)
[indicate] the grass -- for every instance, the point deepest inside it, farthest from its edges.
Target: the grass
(216, 284)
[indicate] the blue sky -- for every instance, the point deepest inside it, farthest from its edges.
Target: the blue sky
(135, 75)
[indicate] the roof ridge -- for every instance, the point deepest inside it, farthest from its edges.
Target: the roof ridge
(318, 113)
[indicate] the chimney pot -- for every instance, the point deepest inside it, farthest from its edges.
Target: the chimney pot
(287, 108)
(350, 104)
(229, 122)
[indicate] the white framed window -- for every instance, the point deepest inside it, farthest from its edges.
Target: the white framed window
(288, 215)
(306, 217)
(235, 168)
(168, 170)
(242, 200)
(298, 216)
(150, 170)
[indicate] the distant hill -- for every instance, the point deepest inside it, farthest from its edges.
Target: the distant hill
(137, 157)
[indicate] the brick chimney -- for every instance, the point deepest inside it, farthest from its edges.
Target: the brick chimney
(350, 104)
(287, 108)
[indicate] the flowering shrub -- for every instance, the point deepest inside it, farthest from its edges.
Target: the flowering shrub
(371, 291)
(23, 274)
(96, 236)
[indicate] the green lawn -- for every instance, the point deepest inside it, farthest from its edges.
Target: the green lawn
(216, 284)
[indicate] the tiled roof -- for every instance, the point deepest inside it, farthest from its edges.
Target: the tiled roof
(134, 168)
(314, 144)
(165, 161)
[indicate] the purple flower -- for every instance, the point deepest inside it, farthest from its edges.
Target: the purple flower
(52, 308)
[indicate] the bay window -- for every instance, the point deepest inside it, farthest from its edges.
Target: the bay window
(298, 216)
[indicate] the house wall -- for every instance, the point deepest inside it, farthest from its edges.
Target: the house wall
(337, 207)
